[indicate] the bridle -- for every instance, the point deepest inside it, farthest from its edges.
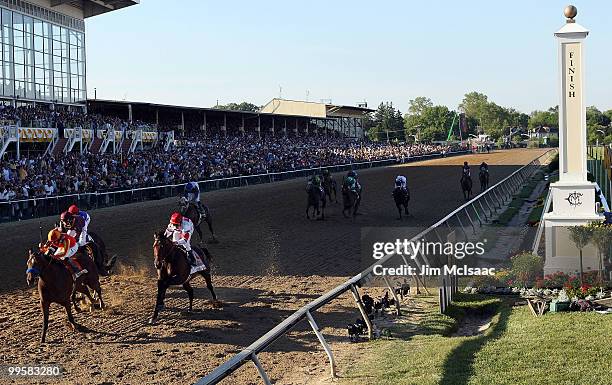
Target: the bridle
(34, 270)
(160, 243)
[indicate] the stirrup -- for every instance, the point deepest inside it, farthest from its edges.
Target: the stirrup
(79, 273)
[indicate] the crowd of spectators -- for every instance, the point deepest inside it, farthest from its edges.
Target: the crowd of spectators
(198, 159)
(194, 158)
(43, 116)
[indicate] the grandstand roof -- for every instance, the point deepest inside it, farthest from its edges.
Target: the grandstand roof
(313, 109)
(117, 103)
(94, 7)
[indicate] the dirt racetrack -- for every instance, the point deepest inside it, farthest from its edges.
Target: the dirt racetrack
(270, 261)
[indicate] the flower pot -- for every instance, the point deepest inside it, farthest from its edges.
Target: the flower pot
(556, 306)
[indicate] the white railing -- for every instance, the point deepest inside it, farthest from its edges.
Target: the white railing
(480, 209)
(52, 205)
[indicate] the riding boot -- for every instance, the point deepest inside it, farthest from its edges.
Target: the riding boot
(77, 271)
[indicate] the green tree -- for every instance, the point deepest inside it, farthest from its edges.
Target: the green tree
(244, 106)
(581, 236)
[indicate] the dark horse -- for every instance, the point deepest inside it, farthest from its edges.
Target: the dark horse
(466, 187)
(329, 187)
(483, 176)
(189, 210)
(55, 284)
(350, 202)
(401, 197)
(316, 200)
(173, 269)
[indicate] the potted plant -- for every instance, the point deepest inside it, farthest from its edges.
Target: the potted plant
(561, 303)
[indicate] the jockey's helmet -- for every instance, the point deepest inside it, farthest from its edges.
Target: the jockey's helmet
(326, 172)
(189, 187)
(74, 210)
(465, 164)
(54, 235)
(352, 174)
(176, 218)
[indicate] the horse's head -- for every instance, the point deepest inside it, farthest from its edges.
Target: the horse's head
(161, 248)
(36, 265)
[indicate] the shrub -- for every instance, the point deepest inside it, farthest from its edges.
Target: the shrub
(526, 268)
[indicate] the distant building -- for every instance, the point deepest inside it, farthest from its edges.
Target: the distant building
(43, 48)
(347, 120)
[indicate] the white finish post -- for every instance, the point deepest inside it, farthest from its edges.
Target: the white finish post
(573, 195)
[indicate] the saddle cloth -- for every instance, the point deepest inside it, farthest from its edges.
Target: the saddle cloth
(199, 263)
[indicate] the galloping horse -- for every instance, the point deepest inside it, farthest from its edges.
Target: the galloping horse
(55, 284)
(350, 201)
(483, 176)
(329, 186)
(401, 197)
(466, 186)
(316, 200)
(173, 269)
(189, 210)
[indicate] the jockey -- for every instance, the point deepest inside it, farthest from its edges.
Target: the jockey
(466, 173)
(400, 181)
(350, 183)
(192, 194)
(484, 167)
(353, 174)
(180, 229)
(63, 247)
(84, 223)
(315, 181)
(73, 225)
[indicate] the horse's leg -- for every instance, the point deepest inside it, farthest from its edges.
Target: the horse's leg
(208, 278)
(44, 306)
(189, 291)
(399, 210)
(307, 209)
(73, 324)
(85, 290)
(161, 293)
(210, 228)
(199, 231)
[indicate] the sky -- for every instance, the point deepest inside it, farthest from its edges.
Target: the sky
(198, 52)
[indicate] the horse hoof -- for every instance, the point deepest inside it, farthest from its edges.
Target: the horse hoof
(152, 321)
(216, 304)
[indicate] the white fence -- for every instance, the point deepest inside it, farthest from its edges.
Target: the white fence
(481, 209)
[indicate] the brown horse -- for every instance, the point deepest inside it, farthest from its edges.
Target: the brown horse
(189, 210)
(55, 284)
(173, 269)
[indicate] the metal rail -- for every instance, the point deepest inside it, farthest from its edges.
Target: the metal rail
(499, 193)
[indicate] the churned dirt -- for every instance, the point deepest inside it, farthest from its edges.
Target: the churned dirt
(270, 261)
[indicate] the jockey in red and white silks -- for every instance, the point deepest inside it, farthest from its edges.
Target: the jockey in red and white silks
(179, 230)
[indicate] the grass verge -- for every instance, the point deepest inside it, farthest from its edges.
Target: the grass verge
(518, 348)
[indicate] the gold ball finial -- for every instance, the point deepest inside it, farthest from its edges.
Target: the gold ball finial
(570, 13)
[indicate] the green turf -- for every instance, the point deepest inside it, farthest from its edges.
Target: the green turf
(518, 348)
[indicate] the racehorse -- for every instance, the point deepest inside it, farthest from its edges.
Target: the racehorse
(329, 186)
(483, 176)
(401, 197)
(173, 269)
(56, 285)
(350, 202)
(189, 210)
(316, 200)
(466, 187)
